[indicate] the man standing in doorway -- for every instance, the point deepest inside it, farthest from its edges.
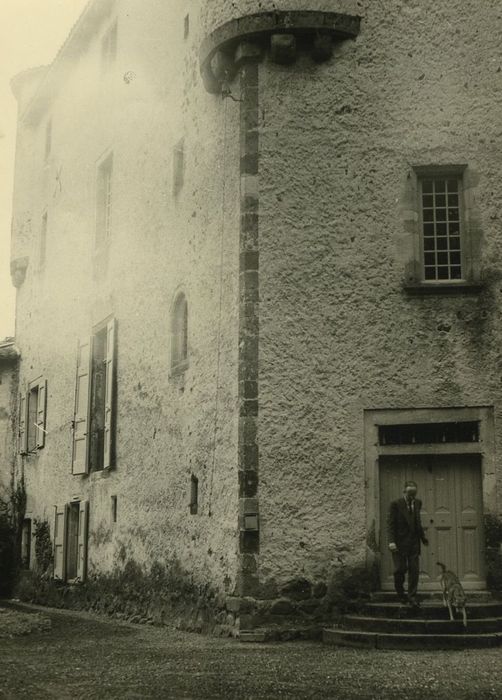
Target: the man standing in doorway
(405, 535)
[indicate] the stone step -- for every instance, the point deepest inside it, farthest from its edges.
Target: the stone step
(418, 625)
(405, 642)
(431, 610)
(434, 596)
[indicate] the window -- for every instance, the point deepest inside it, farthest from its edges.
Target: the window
(104, 200)
(444, 242)
(428, 433)
(43, 239)
(186, 26)
(48, 140)
(114, 509)
(94, 417)
(109, 48)
(178, 166)
(32, 417)
(441, 227)
(194, 495)
(71, 524)
(179, 335)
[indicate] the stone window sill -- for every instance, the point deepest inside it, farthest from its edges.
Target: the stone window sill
(440, 288)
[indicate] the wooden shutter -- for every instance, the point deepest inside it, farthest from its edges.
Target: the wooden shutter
(41, 411)
(81, 419)
(60, 520)
(23, 435)
(83, 527)
(111, 333)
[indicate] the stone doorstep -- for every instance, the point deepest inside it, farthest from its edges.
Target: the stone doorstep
(431, 610)
(281, 634)
(418, 625)
(405, 642)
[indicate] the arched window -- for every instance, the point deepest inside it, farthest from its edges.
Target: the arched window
(179, 334)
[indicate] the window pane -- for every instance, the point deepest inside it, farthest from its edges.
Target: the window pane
(430, 273)
(440, 214)
(442, 243)
(428, 200)
(455, 258)
(440, 200)
(428, 229)
(441, 229)
(453, 200)
(443, 273)
(439, 185)
(427, 186)
(454, 243)
(453, 185)
(428, 214)
(430, 258)
(456, 273)
(428, 243)
(453, 214)
(442, 258)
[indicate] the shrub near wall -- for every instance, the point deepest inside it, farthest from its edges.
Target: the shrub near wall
(12, 510)
(164, 595)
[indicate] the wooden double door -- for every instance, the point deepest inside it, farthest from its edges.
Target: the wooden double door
(450, 488)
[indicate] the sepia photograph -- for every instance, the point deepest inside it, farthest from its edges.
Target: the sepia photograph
(250, 349)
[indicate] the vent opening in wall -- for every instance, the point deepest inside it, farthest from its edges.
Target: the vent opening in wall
(428, 433)
(114, 509)
(186, 26)
(194, 495)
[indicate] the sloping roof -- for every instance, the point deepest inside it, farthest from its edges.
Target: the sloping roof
(75, 44)
(8, 350)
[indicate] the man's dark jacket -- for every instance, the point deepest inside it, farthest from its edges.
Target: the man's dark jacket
(405, 528)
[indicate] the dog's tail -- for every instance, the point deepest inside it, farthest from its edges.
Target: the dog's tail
(443, 567)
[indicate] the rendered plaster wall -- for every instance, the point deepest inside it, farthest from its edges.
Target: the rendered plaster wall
(167, 428)
(8, 380)
(421, 84)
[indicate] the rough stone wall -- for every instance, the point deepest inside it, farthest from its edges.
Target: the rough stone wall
(420, 85)
(8, 383)
(167, 428)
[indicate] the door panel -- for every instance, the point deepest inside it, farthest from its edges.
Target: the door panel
(450, 489)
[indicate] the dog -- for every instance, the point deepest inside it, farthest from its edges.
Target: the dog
(453, 593)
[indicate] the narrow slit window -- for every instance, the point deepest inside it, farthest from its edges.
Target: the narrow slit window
(179, 334)
(109, 48)
(428, 433)
(104, 200)
(43, 239)
(442, 227)
(178, 166)
(194, 495)
(114, 509)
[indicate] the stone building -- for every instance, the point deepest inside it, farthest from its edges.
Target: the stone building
(9, 357)
(257, 253)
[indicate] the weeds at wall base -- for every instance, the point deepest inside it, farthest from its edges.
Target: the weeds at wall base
(161, 596)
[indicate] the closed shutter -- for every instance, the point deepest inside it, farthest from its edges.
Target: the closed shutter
(81, 419)
(60, 519)
(110, 393)
(23, 435)
(41, 411)
(83, 527)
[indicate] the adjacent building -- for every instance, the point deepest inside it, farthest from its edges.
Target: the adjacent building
(257, 256)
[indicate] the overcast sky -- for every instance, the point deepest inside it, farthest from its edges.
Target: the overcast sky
(31, 32)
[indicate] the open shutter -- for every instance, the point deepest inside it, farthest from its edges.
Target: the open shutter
(41, 410)
(110, 393)
(60, 520)
(23, 435)
(81, 419)
(83, 527)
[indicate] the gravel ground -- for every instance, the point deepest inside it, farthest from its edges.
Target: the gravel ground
(84, 656)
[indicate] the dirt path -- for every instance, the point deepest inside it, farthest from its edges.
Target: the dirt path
(82, 656)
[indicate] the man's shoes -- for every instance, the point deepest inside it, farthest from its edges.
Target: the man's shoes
(413, 601)
(403, 599)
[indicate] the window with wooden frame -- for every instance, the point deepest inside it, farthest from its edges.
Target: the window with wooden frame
(179, 335)
(71, 531)
(104, 200)
(446, 248)
(94, 417)
(32, 417)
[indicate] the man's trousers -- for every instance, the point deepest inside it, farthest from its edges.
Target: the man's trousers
(405, 562)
